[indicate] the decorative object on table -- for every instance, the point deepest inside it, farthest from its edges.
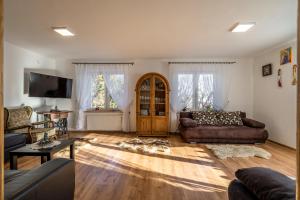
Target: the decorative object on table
(294, 81)
(267, 70)
(286, 56)
(279, 78)
(49, 145)
(148, 145)
(45, 143)
(224, 151)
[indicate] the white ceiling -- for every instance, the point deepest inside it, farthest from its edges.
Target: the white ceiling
(128, 29)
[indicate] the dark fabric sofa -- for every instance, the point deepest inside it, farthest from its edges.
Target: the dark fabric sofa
(261, 183)
(251, 132)
(52, 180)
(12, 141)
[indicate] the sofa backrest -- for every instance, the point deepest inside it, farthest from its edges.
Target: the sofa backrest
(189, 115)
(17, 114)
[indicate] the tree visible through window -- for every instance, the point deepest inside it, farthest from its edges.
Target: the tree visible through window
(101, 97)
(197, 90)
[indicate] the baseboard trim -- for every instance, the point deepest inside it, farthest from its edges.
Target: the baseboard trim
(281, 144)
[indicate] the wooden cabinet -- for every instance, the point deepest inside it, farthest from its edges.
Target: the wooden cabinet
(152, 105)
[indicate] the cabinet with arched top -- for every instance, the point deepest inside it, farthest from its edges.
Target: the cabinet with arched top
(152, 105)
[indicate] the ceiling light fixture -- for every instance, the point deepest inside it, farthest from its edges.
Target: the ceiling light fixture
(63, 31)
(242, 27)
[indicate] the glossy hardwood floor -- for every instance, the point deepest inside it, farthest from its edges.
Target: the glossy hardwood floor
(190, 171)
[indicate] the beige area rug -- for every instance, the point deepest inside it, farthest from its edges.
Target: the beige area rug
(228, 151)
(146, 145)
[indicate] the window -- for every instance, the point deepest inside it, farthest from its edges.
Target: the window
(101, 97)
(197, 89)
(204, 94)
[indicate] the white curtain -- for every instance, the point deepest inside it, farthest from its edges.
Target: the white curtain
(199, 85)
(84, 76)
(116, 80)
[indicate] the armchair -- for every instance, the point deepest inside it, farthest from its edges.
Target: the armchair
(17, 120)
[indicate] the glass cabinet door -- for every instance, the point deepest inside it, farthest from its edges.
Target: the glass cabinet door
(145, 99)
(160, 97)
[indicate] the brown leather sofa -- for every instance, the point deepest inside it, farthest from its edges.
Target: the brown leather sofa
(251, 132)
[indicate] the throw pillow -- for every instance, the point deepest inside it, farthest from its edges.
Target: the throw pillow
(205, 117)
(229, 118)
(267, 184)
(17, 118)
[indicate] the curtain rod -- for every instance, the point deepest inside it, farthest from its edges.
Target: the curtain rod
(205, 62)
(99, 63)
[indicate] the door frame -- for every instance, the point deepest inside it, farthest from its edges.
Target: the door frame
(1, 105)
(298, 109)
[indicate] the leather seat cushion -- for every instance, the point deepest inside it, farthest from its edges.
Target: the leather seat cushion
(13, 139)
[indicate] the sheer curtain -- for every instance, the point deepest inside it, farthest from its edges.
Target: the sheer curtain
(198, 85)
(116, 80)
(84, 76)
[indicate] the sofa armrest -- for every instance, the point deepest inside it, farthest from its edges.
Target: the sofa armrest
(253, 123)
(188, 123)
(52, 180)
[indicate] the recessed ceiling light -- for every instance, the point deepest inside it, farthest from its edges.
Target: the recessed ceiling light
(63, 31)
(242, 27)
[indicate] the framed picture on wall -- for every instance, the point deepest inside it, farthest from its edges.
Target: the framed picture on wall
(267, 70)
(286, 56)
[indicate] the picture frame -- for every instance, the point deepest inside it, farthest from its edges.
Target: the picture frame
(267, 70)
(286, 56)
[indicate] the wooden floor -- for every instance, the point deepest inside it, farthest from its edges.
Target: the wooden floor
(190, 171)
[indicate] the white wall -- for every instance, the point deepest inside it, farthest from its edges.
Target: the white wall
(16, 60)
(273, 105)
(241, 93)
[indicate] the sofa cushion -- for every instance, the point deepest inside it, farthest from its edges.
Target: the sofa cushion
(205, 117)
(13, 139)
(253, 123)
(267, 184)
(228, 133)
(188, 123)
(229, 118)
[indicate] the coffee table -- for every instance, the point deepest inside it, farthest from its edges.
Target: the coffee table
(45, 154)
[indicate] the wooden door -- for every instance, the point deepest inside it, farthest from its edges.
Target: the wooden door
(144, 106)
(160, 114)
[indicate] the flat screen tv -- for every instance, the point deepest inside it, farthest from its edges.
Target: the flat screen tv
(41, 85)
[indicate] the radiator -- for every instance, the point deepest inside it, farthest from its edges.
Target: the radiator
(104, 121)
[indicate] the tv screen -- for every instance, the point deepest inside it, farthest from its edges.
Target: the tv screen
(41, 85)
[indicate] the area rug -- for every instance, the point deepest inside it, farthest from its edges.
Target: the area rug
(146, 145)
(228, 151)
